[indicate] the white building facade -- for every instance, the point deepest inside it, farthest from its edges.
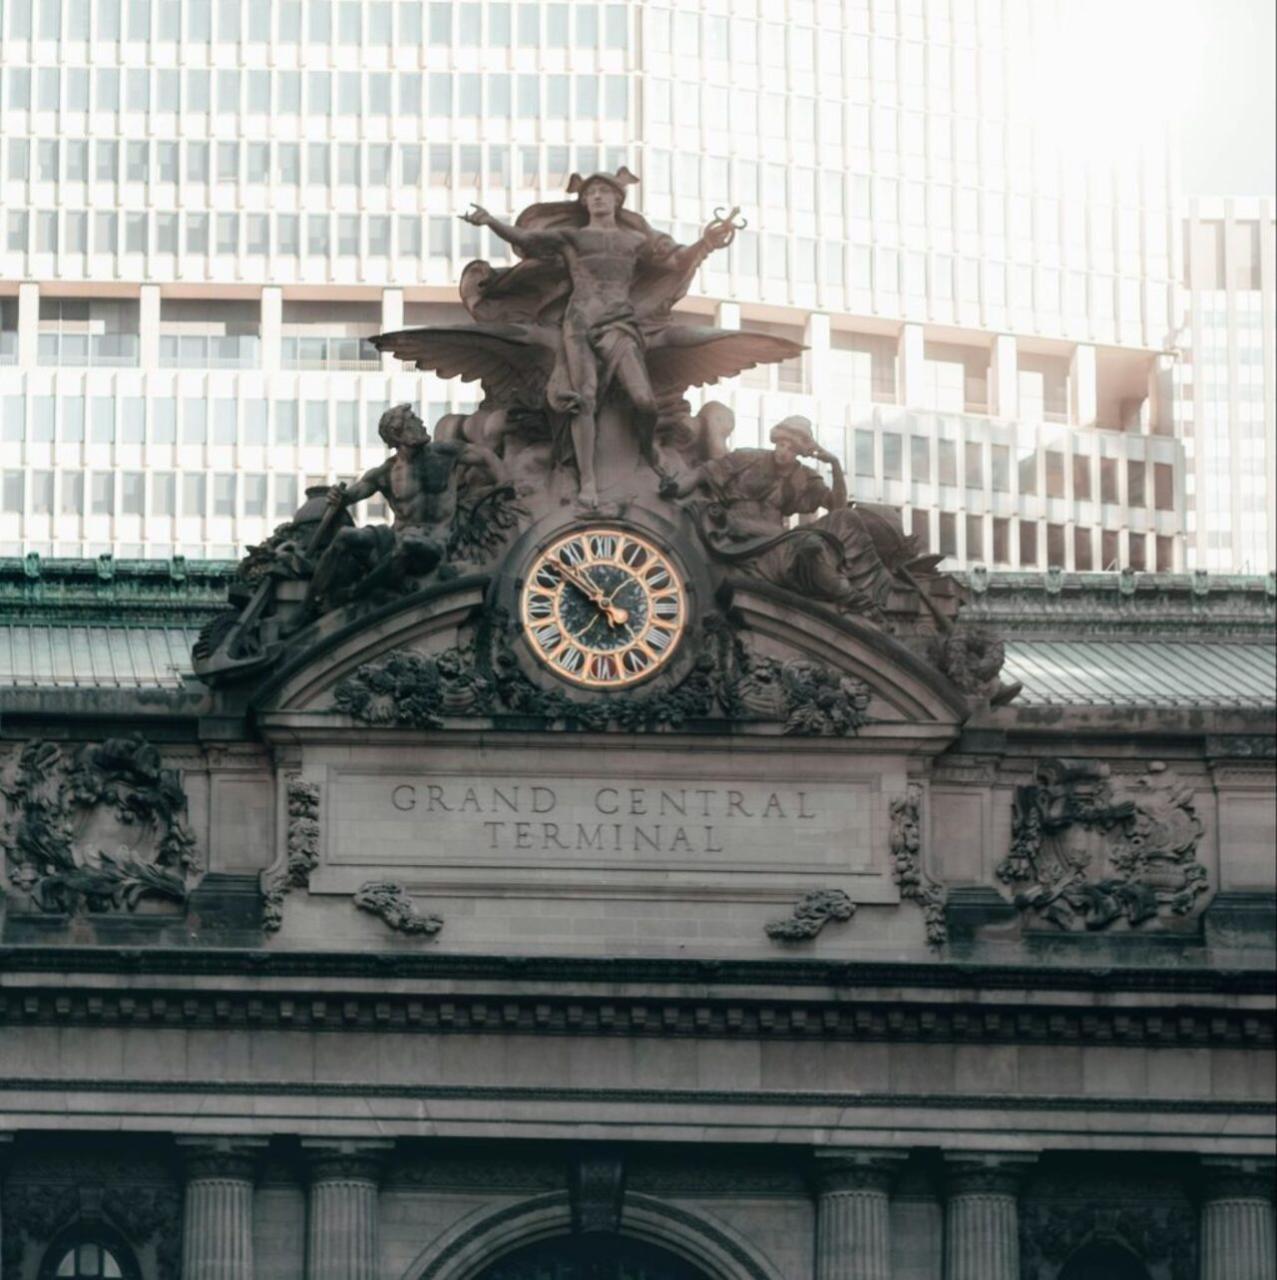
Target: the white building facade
(206, 207)
(1228, 384)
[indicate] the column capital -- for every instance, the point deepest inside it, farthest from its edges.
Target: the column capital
(858, 1169)
(220, 1157)
(345, 1159)
(991, 1172)
(1240, 1177)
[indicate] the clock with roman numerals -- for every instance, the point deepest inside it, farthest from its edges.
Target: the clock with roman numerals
(603, 608)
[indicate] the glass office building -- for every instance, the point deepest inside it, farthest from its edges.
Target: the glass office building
(1228, 387)
(209, 205)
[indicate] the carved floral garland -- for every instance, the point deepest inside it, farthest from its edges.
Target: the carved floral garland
(420, 691)
(302, 852)
(906, 870)
(812, 912)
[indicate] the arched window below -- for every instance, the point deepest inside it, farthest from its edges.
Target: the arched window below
(89, 1255)
(591, 1258)
(1104, 1262)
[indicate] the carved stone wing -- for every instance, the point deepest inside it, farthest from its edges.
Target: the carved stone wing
(512, 362)
(682, 356)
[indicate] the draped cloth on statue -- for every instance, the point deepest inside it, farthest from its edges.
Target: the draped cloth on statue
(749, 498)
(606, 291)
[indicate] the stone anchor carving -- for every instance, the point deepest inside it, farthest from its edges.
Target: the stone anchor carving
(1086, 853)
(65, 812)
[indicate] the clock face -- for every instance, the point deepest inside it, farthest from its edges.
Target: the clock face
(603, 608)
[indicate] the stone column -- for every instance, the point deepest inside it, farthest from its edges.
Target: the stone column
(853, 1214)
(341, 1228)
(1237, 1220)
(982, 1229)
(217, 1232)
(5, 1140)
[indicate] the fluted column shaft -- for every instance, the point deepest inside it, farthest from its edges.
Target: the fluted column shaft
(5, 1139)
(341, 1227)
(1237, 1220)
(982, 1227)
(853, 1229)
(217, 1232)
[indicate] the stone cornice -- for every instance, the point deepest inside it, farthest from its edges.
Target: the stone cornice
(656, 1097)
(887, 1016)
(1178, 976)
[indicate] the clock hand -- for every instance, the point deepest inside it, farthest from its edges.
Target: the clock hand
(616, 616)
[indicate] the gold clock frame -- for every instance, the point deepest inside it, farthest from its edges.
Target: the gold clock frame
(649, 562)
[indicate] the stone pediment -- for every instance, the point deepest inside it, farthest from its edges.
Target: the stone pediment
(768, 663)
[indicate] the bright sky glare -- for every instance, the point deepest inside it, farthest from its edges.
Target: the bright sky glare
(1102, 76)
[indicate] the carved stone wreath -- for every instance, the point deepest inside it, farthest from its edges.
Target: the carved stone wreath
(1085, 853)
(62, 811)
(420, 691)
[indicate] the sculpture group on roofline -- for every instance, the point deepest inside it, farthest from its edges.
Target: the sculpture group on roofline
(584, 374)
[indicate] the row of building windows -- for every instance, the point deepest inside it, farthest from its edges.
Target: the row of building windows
(792, 260)
(192, 420)
(156, 493)
(317, 94)
(314, 423)
(292, 164)
(347, 23)
(323, 164)
(987, 539)
(994, 463)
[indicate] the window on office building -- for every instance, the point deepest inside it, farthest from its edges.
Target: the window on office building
(1055, 546)
(1163, 486)
(948, 533)
(1028, 544)
(1136, 555)
(1082, 559)
(210, 333)
(1001, 540)
(330, 334)
(1135, 495)
(975, 539)
(863, 366)
(1165, 555)
(88, 331)
(1110, 550)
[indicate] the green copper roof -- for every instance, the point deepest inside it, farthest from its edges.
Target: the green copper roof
(35, 655)
(1132, 673)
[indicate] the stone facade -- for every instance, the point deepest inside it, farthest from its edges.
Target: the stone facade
(599, 874)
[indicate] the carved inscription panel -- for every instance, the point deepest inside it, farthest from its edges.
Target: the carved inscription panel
(601, 822)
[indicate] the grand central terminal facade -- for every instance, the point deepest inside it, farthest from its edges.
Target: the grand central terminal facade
(633, 863)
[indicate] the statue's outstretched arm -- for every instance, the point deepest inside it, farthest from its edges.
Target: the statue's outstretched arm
(366, 486)
(527, 242)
